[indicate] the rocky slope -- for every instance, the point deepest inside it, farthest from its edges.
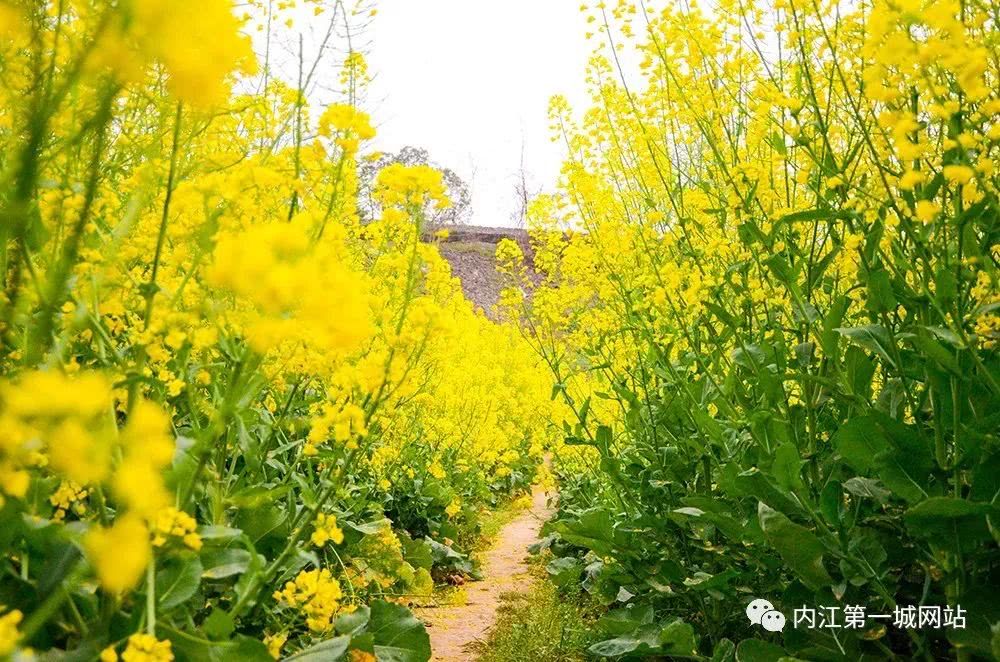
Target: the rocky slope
(470, 252)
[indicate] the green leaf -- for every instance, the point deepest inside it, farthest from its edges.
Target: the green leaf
(830, 502)
(584, 412)
(906, 468)
(330, 650)
(786, 466)
(724, 651)
(879, 444)
(713, 511)
(218, 533)
(756, 483)
(399, 635)
(781, 269)
(617, 647)
(645, 640)
(858, 441)
(542, 544)
(868, 488)
(749, 233)
(949, 520)
(808, 215)
(373, 528)
(946, 335)
(708, 425)
(245, 586)
(266, 521)
(934, 350)
(625, 620)
(222, 563)
(592, 529)
(603, 438)
(798, 547)
(724, 316)
(190, 648)
(446, 557)
(945, 285)
(831, 321)
(817, 271)
(677, 638)
(353, 622)
(880, 296)
(751, 357)
(59, 562)
(564, 571)
(690, 512)
(256, 496)
(860, 370)
(177, 582)
(417, 552)
(982, 613)
(219, 625)
(874, 338)
(703, 581)
(755, 650)
(777, 141)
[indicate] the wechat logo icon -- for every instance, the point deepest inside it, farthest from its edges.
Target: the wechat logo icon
(762, 612)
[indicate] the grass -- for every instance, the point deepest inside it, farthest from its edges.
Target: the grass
(481, 247)
(543, 625)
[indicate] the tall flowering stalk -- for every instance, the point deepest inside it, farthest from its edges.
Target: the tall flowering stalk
(218, 388)
(768, 293)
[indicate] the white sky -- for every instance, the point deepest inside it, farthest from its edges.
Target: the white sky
(469, 79)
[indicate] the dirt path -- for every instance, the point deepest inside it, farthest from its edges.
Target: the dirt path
(453, 628)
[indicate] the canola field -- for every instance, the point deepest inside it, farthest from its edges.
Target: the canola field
(244, 417)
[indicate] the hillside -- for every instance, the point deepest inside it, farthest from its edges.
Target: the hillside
(470, 252)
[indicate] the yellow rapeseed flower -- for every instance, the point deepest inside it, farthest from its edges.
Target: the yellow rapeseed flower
(120, 553)
(146, 648)
(927, 210)
(325, 530)
(9, 634)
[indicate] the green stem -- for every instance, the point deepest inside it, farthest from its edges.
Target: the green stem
(40, 616)
(151, 597)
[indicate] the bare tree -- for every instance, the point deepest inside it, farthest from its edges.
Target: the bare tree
(524, 191)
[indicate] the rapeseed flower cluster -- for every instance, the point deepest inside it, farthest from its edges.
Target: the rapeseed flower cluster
(325, 530)
(772, 239)
(69, 497)
(316, 594)
(61, 421)
(198, 44)
(172, 523)
(119, 553)
(206, 349)
(411, 186)
(141, 648)
(9, 634)
(147, 448)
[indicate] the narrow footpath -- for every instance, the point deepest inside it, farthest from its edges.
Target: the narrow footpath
(453, 628)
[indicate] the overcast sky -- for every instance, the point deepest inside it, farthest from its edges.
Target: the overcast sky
(469, 80)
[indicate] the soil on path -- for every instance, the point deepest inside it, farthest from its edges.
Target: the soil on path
(453, 628)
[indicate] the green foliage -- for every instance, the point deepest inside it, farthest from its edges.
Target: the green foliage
(877, 486)
(389, 631)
